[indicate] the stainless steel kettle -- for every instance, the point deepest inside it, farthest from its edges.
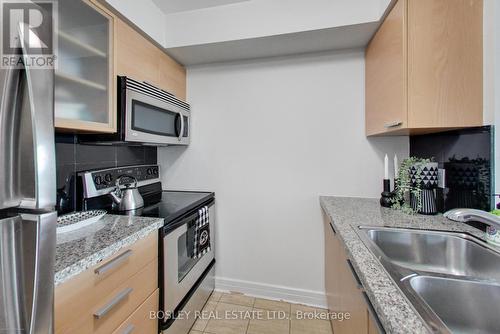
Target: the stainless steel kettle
(128, 198)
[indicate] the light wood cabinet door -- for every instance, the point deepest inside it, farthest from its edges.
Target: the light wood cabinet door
(118, 304)
(386, 74)
(332, 283)
(141, 321)
(352, 300)
(136, 56)
(424, 68)
(172, 77)
(85, 88)
(344, 294)
(140, 59)
(372, 325)
(85, 292)
(445, 63)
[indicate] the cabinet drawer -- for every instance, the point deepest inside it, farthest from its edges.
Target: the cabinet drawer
(117, 304)
(81, 293)
(140, 321)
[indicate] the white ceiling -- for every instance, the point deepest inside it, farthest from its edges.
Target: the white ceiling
(174, 6)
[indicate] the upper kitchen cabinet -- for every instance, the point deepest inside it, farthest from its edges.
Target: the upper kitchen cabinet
(96, 45)
(424, 68)
(142, 60)
(85, 90)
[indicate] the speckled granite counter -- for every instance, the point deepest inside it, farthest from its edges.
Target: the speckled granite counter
(393, 309)
(79, 250)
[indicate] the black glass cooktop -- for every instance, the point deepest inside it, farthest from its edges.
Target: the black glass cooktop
(170, 204)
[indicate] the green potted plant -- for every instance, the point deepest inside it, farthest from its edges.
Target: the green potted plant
(410, 180)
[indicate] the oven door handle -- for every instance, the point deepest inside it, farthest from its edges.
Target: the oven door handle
(181, 133)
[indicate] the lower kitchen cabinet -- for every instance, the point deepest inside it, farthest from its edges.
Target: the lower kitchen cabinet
(140, 321)
(344, 291)
(372, 325)
(119, 292)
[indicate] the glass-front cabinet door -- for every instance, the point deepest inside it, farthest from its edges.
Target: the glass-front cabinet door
(84, 78)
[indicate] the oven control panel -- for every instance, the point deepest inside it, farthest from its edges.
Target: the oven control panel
(104, 179)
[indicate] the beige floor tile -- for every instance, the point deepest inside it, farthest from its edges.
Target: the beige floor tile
(215, 296)
(232, 319)
(202, 322)
(272, 305)
(210, 306)
(299, 308)
(237, 299)
(266, 323)
(310, 327)
(195, 332)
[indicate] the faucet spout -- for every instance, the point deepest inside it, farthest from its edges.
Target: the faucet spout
(467, 215)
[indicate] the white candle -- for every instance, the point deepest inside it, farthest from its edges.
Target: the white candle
(386, 167)
(396, 166)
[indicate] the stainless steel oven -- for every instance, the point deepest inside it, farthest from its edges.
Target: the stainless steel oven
(187, 282)
(147, 115)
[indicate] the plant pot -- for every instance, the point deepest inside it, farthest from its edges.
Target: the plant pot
(424, 175)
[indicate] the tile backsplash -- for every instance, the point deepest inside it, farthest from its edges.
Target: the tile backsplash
(72, 157)
(467, 157)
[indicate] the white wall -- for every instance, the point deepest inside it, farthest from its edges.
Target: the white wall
(489, 35)
(269, 137)
(496, 89)
(246, 19)
(260, 18)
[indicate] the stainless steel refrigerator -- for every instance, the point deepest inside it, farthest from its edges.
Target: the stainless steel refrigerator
(27, 200)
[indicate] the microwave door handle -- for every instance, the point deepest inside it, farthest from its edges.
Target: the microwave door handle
(182, 127)
(40, 92)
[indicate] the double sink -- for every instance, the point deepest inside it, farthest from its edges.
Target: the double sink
(452, 279)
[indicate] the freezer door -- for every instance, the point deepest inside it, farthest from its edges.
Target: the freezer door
(27, 149)
(27, 255)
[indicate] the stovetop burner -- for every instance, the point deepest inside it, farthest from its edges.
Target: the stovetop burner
(96, 185)
(169, 203)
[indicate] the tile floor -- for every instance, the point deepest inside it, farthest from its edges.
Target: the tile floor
(232, 313)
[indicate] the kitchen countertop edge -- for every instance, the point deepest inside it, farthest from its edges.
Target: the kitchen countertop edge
(80, 266)
(393, 309)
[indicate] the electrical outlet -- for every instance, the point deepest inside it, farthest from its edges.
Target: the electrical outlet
(441, 178)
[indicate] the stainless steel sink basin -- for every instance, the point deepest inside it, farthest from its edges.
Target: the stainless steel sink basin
(463, 306)
(452, 279)
(438, 252)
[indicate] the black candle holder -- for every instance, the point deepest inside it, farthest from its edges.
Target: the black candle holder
(386, 195)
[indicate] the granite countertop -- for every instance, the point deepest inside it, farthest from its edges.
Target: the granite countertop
(79, 250)
(395, 312)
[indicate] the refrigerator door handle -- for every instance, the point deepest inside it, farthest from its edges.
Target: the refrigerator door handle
(27, 256)
(40, 91)
(10, 195)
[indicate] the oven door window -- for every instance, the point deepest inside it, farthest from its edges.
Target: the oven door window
(151, 119)
(185, 261)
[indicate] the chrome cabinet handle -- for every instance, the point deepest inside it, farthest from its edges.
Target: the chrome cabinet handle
(393, 124)
(356, 277)
(333, 228)
(113, 263)
(130, 328)
(112, 303)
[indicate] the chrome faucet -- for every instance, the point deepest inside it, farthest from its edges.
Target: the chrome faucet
(468, 215)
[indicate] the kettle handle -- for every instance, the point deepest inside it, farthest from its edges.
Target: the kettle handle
(117, 183)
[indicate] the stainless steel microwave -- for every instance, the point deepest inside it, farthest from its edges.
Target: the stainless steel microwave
(147, 115)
